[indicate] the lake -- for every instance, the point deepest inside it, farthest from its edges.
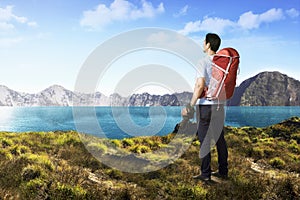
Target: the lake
(120, 122)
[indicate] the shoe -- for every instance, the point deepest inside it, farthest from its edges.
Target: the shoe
(201, 177)
(217, 174)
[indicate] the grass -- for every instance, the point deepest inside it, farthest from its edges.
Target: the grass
(57, 165)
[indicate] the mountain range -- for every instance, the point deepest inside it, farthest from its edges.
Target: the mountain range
(264, 89)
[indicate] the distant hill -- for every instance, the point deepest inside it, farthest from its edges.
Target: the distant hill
(264, 89)
(267, 89)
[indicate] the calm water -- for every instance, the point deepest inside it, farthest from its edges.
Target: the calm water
(127, 121)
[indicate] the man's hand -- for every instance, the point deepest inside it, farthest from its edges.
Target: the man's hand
(183, 112)
(188, 112)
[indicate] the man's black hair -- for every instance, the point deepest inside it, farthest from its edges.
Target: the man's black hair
(214, 40)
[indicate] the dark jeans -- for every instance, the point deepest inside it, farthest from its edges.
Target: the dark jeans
(210, 132)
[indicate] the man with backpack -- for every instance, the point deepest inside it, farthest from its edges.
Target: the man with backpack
(210, 114)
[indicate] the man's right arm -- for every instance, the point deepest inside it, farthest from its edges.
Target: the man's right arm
(199, 87)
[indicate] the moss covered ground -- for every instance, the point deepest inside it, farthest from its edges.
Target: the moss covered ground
(264, 163)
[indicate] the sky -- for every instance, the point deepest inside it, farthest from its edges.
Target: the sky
(46, 42)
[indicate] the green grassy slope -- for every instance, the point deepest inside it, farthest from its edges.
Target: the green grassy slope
(264, 164)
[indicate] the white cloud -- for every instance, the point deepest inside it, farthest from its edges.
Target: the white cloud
(249, 20)
(182, 12)
(271, 15)
(147, 10)
(246, 21)
(293, 13)
(216, 24)
(8, 19)
(119, 10)
(208, 24)
(191, 27)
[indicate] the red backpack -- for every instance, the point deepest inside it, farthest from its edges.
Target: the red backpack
(224, 71)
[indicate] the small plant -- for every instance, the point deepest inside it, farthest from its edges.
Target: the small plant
(149, 142)
(117, 143)
(140, 149)
(4, 154)
(296, 136)
(34, 189)
(41, 159)
(277, 162)
(196, 143)
(6, 142)
(294, 146)
(113, 173)
(127, 142)
(31, 172)
(246, 139)
(65, 191)
(257, 152)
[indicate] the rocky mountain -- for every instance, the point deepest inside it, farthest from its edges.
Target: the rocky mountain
(55, 95)
(183, 97)
(146, 99)
(264, 89)
(9, 97)
(267, 89)
(59, 96)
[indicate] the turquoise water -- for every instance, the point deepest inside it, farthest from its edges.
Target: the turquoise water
(127, 121)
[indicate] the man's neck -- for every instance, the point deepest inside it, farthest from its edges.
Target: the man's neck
(210, 52)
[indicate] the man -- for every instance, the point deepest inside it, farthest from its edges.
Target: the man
(210, 115)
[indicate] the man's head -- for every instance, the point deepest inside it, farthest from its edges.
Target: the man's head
(212, 41)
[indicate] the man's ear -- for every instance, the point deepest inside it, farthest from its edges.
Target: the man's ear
(207, 46)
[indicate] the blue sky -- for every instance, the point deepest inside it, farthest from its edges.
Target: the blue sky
(46, 42)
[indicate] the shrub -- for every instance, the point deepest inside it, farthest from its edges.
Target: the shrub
(127, 142)
(257, 152)
(293, 146)
(233, 140)
(247, 140)
(296, 136)
(41, 159)
(68, 139)
(31, 172)
(4, 154)
(65, 191)
(117, 143)
(189, 192)
(268, 151)
(167, 139)
(149, 142)
(140, 149)
(277, 162)
(113, 173)
(6, 142)
(34, 189)
(18, 150)
(196, 143)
